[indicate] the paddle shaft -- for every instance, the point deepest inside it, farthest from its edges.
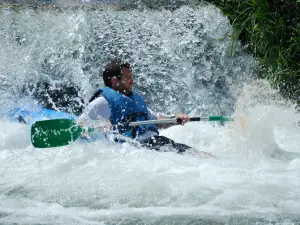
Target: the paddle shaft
(167, 121)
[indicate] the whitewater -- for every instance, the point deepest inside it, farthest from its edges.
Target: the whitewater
(183, 61)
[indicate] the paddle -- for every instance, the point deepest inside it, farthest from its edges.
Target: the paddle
(55, 133)
(60, 132)
(177, 120)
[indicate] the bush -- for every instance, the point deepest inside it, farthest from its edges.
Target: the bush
(271, 31)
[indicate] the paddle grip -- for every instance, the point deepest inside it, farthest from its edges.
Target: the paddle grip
(195, 119)
(192, 119)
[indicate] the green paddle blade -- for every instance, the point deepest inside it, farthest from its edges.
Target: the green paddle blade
(54, 133)
(219, 118)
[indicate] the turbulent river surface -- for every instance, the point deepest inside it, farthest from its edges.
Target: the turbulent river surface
(182, 61)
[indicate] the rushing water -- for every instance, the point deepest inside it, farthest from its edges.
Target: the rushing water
(181, 62)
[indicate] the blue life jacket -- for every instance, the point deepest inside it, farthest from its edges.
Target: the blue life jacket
(124, 110)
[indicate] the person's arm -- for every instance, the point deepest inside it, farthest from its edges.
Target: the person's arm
(157, 116)
(98, 110)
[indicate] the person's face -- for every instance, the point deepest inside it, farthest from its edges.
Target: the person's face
(126, 82)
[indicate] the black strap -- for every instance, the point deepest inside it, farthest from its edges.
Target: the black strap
(127, 120)
(96, 95)
(21, 120)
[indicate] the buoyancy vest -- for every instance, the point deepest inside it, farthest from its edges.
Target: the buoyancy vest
(124, 110)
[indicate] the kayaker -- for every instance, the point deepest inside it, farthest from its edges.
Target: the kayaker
(119, 104)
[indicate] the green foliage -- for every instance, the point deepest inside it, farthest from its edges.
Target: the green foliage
(271, 31)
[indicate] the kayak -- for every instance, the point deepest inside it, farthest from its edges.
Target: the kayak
(30, 117)
(50, 128)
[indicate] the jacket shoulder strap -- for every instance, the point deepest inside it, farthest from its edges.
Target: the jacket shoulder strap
(96, 95)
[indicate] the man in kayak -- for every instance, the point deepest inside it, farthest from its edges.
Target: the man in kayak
(119, 104)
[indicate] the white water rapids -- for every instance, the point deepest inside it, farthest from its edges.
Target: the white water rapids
(254, 179)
